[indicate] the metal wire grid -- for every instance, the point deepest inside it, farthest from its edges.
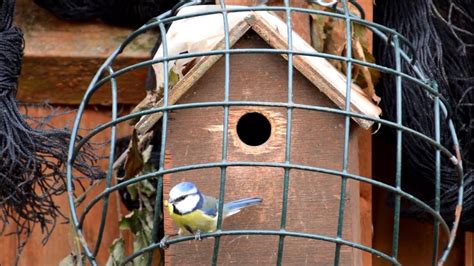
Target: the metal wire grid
(389, 36)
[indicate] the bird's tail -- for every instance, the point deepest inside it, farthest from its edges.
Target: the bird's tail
(233, 207)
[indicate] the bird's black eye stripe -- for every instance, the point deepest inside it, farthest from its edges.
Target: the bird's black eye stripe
(180, 198)
(183, 197)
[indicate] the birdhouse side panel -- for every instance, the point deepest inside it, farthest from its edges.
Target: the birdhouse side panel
(195, 137)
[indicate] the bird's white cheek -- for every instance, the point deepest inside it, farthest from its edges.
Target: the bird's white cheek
(188, 204)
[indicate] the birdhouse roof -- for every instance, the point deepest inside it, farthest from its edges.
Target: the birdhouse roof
(206, 33)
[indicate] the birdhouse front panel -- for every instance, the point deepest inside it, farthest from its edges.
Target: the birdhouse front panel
(258, 134)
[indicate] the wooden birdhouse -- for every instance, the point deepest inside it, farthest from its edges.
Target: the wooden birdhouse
(257, 132)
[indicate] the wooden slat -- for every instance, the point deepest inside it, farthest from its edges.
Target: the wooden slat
(468, 249)
(8, 247)
(147, 122)
(365, 168)
(318, 70)
(61, 58)
(300, 20)
(365, 164)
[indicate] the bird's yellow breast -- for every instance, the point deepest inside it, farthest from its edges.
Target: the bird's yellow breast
(196, 220)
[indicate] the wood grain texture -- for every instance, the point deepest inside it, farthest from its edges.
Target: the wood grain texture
(195, 136)
(365, 163)
(300, 21)
(60, 243)
(468, 248)
(61, 57)
(8, 246)
(202, 65)
(365, 166)
(270, 28)
(316, 69)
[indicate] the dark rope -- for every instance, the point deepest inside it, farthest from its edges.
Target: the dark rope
(117, 12)
(31, 159)
(442, 33)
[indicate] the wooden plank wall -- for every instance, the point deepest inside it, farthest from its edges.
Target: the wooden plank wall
(469, 249)
(61, 57)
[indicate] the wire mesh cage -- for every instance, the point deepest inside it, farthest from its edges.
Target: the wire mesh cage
(107, 75)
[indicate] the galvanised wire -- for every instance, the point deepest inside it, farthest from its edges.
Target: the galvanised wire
(108, 178)
(347, 121)
(398, 164)
(158, 210)
(286, 178)
(390, 36)
(225, 130)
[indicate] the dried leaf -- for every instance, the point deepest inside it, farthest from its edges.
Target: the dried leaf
(336, 41)
(331, 35)
(133, 191)
(146, 154)
(117, 252)
(67, 261)
(173, 77)
(142, 240)
(360, 33)
(140, 223)
(143, 237)
(147, 188)
(318, 34)
(369, 89)
(73, 260)
(374, 73)
(134, 163)
(145, 104)
(130, 222)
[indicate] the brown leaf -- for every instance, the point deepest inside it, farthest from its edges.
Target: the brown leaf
(330, 33)
(336, 41)
(134, 163)
(358, 53)
(188, 66)
(318, 34)
(145, 104)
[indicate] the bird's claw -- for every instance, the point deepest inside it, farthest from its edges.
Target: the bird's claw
(163, 244)
(197, 236)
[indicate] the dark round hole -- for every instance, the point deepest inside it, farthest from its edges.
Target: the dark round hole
(254, 129)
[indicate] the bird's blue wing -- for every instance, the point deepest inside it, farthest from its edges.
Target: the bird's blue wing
(233, 207)
(209, 206)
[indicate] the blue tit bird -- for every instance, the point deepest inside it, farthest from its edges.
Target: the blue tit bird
(196, 213)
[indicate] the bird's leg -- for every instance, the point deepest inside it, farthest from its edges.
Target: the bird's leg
(163, 244)
(197, 236)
